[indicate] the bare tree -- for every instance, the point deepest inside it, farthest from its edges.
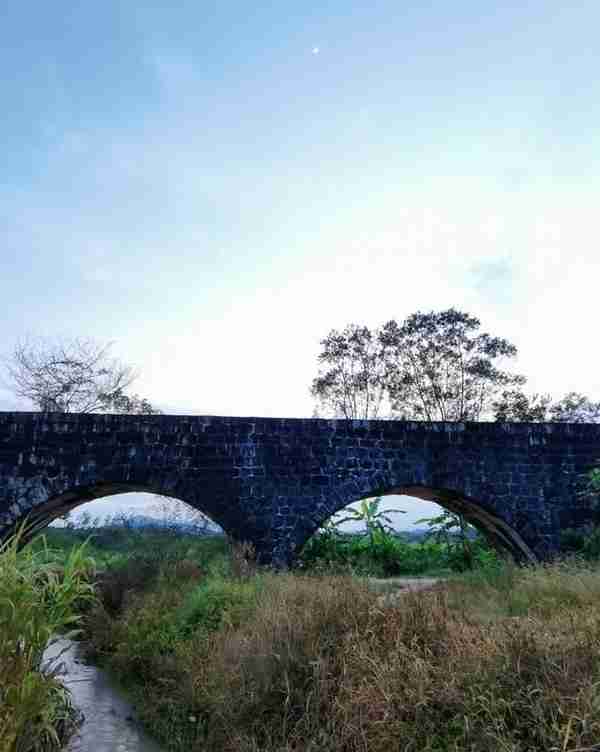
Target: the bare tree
(350, 383)
(174, 513)
(72, 375)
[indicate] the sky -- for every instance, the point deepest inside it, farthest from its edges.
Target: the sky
(404, 512)
(214, 186)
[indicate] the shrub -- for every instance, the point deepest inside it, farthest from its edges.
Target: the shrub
(218, 602)
(116, 583)
(253, 686)
(591, 545)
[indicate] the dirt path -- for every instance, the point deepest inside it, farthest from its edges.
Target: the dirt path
(393, 588)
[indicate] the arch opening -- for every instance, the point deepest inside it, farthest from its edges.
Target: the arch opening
(117, 503)
(502, 536)
(497, 533)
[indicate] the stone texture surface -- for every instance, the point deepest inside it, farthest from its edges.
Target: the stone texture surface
(273, 481)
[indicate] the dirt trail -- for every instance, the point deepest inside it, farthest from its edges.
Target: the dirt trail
(393, 588)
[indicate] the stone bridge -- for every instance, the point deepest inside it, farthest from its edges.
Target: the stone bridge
(273, 482)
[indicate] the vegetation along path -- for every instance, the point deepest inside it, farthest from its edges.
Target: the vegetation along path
(216, 654)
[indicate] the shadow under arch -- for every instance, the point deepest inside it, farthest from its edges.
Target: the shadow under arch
(502, 536)
(60, 504)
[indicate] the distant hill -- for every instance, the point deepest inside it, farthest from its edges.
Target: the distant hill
(139, 521)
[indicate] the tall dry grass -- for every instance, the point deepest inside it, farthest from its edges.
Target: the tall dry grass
(502, 661)
(38, 600)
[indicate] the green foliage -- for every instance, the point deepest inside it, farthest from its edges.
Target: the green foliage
(451, 545)
(38, 601)
(217, 602)
(377, 522)
(591, 546)
(593, 485)
(461, 540)
(515, 406)
(115, 545)
(585, 541)
(387, 555)
(499, 658)
(166, 588)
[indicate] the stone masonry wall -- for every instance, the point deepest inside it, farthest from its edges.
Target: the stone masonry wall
(274, 481)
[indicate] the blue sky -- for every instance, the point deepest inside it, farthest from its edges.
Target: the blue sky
(213, 186)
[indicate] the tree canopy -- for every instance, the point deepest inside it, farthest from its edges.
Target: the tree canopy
(441, 367)
(518, 407)
(351, 379)
(432, 366)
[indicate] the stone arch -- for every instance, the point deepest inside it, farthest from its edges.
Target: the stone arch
(41, 514)
(500, 534)
(39, 498)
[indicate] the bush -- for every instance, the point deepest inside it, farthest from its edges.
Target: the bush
(218, 602)
(255, 685)
(132, 576)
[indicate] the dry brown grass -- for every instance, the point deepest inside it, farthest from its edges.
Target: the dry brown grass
(323, 667)
(503, 664)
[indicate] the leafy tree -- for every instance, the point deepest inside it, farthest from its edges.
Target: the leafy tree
(350, 382)
(440, 367)
(575, 408)
(433, 366)
(72, 375)
(133, 405)
(515, 406)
